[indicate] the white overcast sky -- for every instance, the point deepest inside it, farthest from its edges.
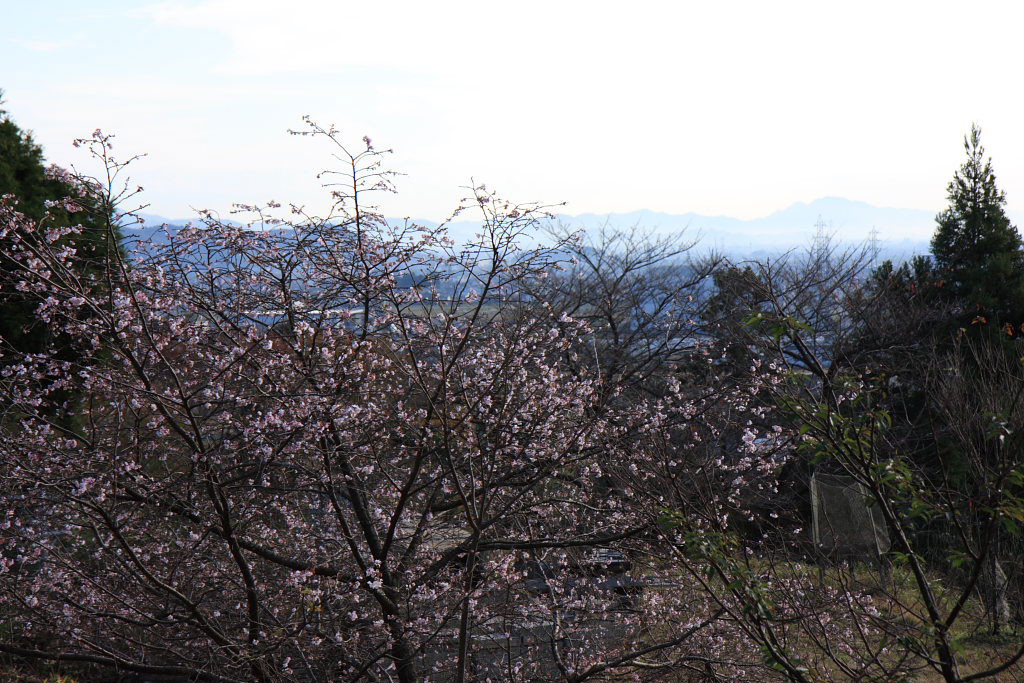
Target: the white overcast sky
(734, 108)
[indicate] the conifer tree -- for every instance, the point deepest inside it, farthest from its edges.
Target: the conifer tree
(975, 246)
(36, 191)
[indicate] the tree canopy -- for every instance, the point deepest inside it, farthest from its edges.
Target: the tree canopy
(975, 245)
(41, 193)
(347, 449)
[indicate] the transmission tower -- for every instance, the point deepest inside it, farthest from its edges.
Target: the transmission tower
(820, 236)
(874, 244)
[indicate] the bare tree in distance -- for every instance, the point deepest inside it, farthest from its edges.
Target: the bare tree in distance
(641, 294)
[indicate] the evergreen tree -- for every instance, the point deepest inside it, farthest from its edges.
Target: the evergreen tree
(36, 193)
(975, 246)
(23, 170)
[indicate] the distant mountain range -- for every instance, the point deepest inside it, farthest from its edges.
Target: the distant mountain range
(899, 232)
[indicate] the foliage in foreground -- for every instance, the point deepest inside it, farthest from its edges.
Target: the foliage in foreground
(329, 448)
(333, 449)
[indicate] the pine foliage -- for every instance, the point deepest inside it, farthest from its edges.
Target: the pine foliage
(975, 246)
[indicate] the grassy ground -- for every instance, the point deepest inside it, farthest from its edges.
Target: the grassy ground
(892, 606)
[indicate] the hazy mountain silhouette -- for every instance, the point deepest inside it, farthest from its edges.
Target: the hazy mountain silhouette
(897, 231)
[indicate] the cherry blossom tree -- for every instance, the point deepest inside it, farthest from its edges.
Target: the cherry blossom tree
(333, 448)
